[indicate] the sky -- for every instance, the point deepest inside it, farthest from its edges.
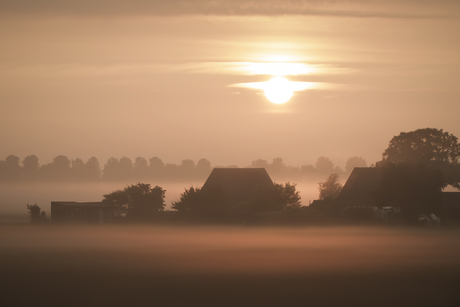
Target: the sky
(185, 79)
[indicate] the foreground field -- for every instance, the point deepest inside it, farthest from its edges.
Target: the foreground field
(228, 266)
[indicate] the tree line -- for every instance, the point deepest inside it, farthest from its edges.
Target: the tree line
(63, 169)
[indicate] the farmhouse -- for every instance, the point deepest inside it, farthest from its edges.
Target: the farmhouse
(363, 183)
(360, 188)
(85, 213)
(237, 184)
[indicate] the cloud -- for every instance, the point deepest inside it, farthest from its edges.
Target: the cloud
(210, 68)
(294, 85)
(352, 8)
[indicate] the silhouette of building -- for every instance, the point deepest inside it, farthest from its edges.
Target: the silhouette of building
(363, 183)
(451, 206)
(360, 188)
(237, 184)
(85, 213)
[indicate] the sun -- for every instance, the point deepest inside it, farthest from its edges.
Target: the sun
(278, 90)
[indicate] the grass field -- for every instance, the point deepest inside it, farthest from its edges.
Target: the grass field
(228, 266)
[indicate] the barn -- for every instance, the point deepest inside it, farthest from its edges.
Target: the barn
(360, 188)
(80, 212)
(237, 184)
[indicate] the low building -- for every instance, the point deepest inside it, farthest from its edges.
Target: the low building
(84, 213)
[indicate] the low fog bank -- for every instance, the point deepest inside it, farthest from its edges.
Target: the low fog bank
(14, 197)
(231, 249)
(229, 266)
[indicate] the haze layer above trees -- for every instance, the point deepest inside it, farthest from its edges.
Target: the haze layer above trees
(63, 169)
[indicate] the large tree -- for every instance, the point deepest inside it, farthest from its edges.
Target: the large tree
(61, 167)
(93, 169)
(136, 202)
(415, 168)
(431, 147)
(324, 165)
(31, 167)
(10, 170)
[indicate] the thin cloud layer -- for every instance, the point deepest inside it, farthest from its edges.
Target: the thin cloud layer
(356, 8)
(211, 68)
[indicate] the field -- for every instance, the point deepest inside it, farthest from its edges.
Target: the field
(228, 266)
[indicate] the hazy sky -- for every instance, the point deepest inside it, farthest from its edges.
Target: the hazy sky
(163, 78)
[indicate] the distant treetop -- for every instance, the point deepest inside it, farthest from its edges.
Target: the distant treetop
(423, 145)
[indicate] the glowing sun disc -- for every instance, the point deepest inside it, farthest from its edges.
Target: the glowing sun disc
(278, 90)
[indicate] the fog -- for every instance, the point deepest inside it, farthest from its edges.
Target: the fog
(229, 266)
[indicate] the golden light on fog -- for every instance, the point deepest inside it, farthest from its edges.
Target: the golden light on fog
(278, 90)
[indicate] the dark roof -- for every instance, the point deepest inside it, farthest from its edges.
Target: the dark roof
(360, 186)
(77, 204)
(237, 183)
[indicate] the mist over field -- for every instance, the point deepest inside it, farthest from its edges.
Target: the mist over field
(229, 266)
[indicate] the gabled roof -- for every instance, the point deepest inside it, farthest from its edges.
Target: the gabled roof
(360, 186)
(237, 183)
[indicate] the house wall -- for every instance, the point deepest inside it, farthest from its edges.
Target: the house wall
(85, 214)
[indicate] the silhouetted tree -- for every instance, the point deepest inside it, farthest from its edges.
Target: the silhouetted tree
(354, 162)
(190, 201)
(10, 170)
(330, 189)
(278, 166)
(111, 170)
(139, 202)
(78, 170)
(156, 167)
(31, 168)
(37, 216)
(125, 168)
(47, 171)
(140, 169)
(432, 147)
(203, 168)
(259, 163)
(92, 169)
(324, 165)
(289, 195)
(62, 170)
